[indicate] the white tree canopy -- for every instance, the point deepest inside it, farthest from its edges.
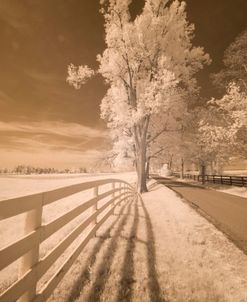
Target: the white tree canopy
(147, 62)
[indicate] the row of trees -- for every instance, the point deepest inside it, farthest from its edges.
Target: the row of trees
(217, 128)
(224, 128)
(23, 169)
(212, 132)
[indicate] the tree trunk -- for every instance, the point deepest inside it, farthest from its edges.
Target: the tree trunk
(211, 167)
(203, 168)
(170, 163)
(140, 145)
(147, 167)
(182, 168)
(141, 168)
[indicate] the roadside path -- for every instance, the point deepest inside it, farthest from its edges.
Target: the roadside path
(228, 212)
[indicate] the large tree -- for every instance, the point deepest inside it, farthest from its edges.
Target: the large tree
(148, 63)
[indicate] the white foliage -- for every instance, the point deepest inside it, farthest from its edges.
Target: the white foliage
(78, 75)
(147, 63)
(226, 128)
(148, 57)
(234, 104)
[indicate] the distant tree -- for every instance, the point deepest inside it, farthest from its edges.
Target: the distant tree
(19, 169)
(235, 64)
(226, 128)
(82, 170)
(147, 63)
(167, 128)
(223, 130)
(4, 171)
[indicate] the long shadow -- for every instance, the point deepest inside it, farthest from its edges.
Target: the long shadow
(155, 293)
(125, 290)
(152, 186)
(171, 183)
(103, 271)
(84, 277)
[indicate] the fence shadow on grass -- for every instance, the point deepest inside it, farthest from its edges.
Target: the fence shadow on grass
(84, 277)
(103, 272)
(126, 282)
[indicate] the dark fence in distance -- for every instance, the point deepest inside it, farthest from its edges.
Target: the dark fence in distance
(240, 181)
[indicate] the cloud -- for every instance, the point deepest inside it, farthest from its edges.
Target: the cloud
(71, 130)
(51, 143)
(13, 15)
(48, 158)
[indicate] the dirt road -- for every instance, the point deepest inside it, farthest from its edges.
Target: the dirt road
(226, 211)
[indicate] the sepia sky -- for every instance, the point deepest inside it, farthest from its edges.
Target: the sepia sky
(43, 120)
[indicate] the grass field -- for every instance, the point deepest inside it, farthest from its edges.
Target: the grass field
(12, 229)
(153, 250)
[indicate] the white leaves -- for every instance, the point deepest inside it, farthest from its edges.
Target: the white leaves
(234, 105)
(78, 76)
(225, 128)
(154, 94)
(148, 64)
(155, 6)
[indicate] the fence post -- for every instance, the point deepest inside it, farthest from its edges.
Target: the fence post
(213, 179)
(242, 178)
(221, 179)
(32, 222)
(95, 206)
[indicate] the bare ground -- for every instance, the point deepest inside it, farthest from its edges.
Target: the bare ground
(158, 249)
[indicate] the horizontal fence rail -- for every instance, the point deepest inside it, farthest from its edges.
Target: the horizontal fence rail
(32, 266)
(240, 181)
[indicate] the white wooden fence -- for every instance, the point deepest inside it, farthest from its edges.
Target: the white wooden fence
(32, 267)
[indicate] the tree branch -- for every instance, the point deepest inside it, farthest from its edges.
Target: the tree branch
(157, 153)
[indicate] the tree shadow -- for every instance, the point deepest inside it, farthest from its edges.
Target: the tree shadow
(125, 290)
(174, 183)
(103, 272)
(84, 277)
(155, 292)
(155, 186)
(126, 282)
